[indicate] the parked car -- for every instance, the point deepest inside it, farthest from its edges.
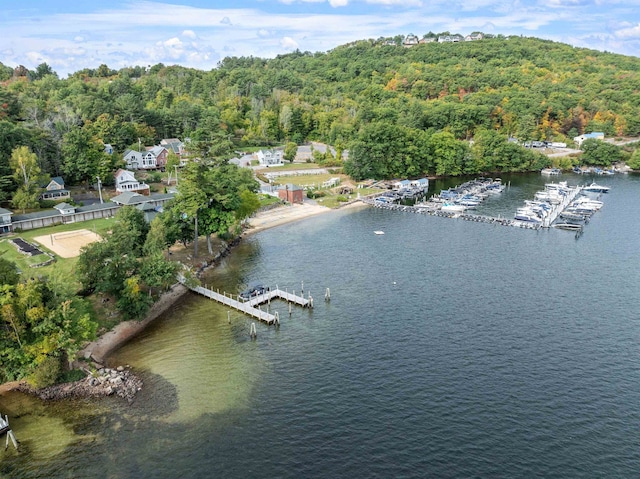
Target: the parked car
(254, 289)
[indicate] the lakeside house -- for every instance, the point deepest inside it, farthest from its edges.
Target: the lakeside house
(126, 181)
(154, 158)
(598, 135)
(270, 157)
(55, 190)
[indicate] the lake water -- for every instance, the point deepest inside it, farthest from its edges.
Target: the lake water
(448, 349)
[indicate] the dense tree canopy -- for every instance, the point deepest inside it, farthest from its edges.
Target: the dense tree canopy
(513, 86)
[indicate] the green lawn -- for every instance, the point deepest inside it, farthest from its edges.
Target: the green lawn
(62, 267)
(308, 180)
(291, 167)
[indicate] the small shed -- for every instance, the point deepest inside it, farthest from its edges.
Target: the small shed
(291, 193)
(65, 208)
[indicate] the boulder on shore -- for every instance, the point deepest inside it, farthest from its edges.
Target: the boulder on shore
(105, 382)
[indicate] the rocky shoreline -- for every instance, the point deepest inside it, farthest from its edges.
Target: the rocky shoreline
(120, 382)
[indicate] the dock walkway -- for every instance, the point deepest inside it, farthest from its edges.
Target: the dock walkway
(252, 307)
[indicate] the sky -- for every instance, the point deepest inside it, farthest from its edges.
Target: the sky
(70, 35)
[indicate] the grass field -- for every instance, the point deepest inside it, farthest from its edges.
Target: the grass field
(62, 266)
(291, 167)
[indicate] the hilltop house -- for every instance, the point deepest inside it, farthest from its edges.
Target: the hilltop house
(474, 36)
(126, 181)
(449, 39)
(55, 190)
(410, 40)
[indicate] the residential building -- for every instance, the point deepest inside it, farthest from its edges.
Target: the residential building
(474, 36)
(598, 135)
(410, 40)
(55, 190)
(126, 181)
(269, 157)
(5, 221)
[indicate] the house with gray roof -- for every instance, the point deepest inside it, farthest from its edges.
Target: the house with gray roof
(55, 190)
(5, 220)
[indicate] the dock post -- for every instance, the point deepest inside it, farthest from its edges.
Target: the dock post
(229, 316)
(310, 301)
(289, 309)
(252, 332)
(302, 287)
(276, 319)
(327, 295)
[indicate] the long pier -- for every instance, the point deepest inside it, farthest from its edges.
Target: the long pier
(252, 306)
(559, 208)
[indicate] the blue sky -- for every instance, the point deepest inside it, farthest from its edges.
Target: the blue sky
(71, 35)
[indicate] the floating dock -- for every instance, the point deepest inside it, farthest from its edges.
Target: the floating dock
(436, 211)
(252, 306)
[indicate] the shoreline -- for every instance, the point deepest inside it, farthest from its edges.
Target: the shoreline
(99, 350)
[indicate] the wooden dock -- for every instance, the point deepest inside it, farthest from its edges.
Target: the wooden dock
(252, 307)
(6, 429)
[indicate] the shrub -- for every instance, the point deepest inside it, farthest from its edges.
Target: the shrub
(341, 199)
(45, 374)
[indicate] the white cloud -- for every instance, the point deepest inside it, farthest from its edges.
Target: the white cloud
(629, 32)
(288, 43)
(189, 34)
(338, 3)
(226, 21)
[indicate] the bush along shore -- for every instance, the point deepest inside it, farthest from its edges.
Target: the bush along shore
(120, 381)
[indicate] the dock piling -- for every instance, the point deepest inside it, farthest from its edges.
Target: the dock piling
(327, 295)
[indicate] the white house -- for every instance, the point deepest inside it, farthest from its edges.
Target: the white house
(133, 159)
(126, 181)
(269, 157)
(402, 184)
(5, 221)
(598, 135)
(422, 183)
(410, 40)
(65, 208)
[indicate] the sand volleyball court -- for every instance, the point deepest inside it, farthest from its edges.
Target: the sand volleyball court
(68, 244)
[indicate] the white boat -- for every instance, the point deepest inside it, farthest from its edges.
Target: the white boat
(378, 232)
(452, 208)
(596, 188)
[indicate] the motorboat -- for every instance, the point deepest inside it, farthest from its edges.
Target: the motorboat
(452, 208)
(596, 188)
(378, 232)
(528, 215)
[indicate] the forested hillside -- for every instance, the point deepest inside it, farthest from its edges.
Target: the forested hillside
(400, 111)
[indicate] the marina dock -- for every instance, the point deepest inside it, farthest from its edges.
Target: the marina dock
(252, 306)
(549, 205)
